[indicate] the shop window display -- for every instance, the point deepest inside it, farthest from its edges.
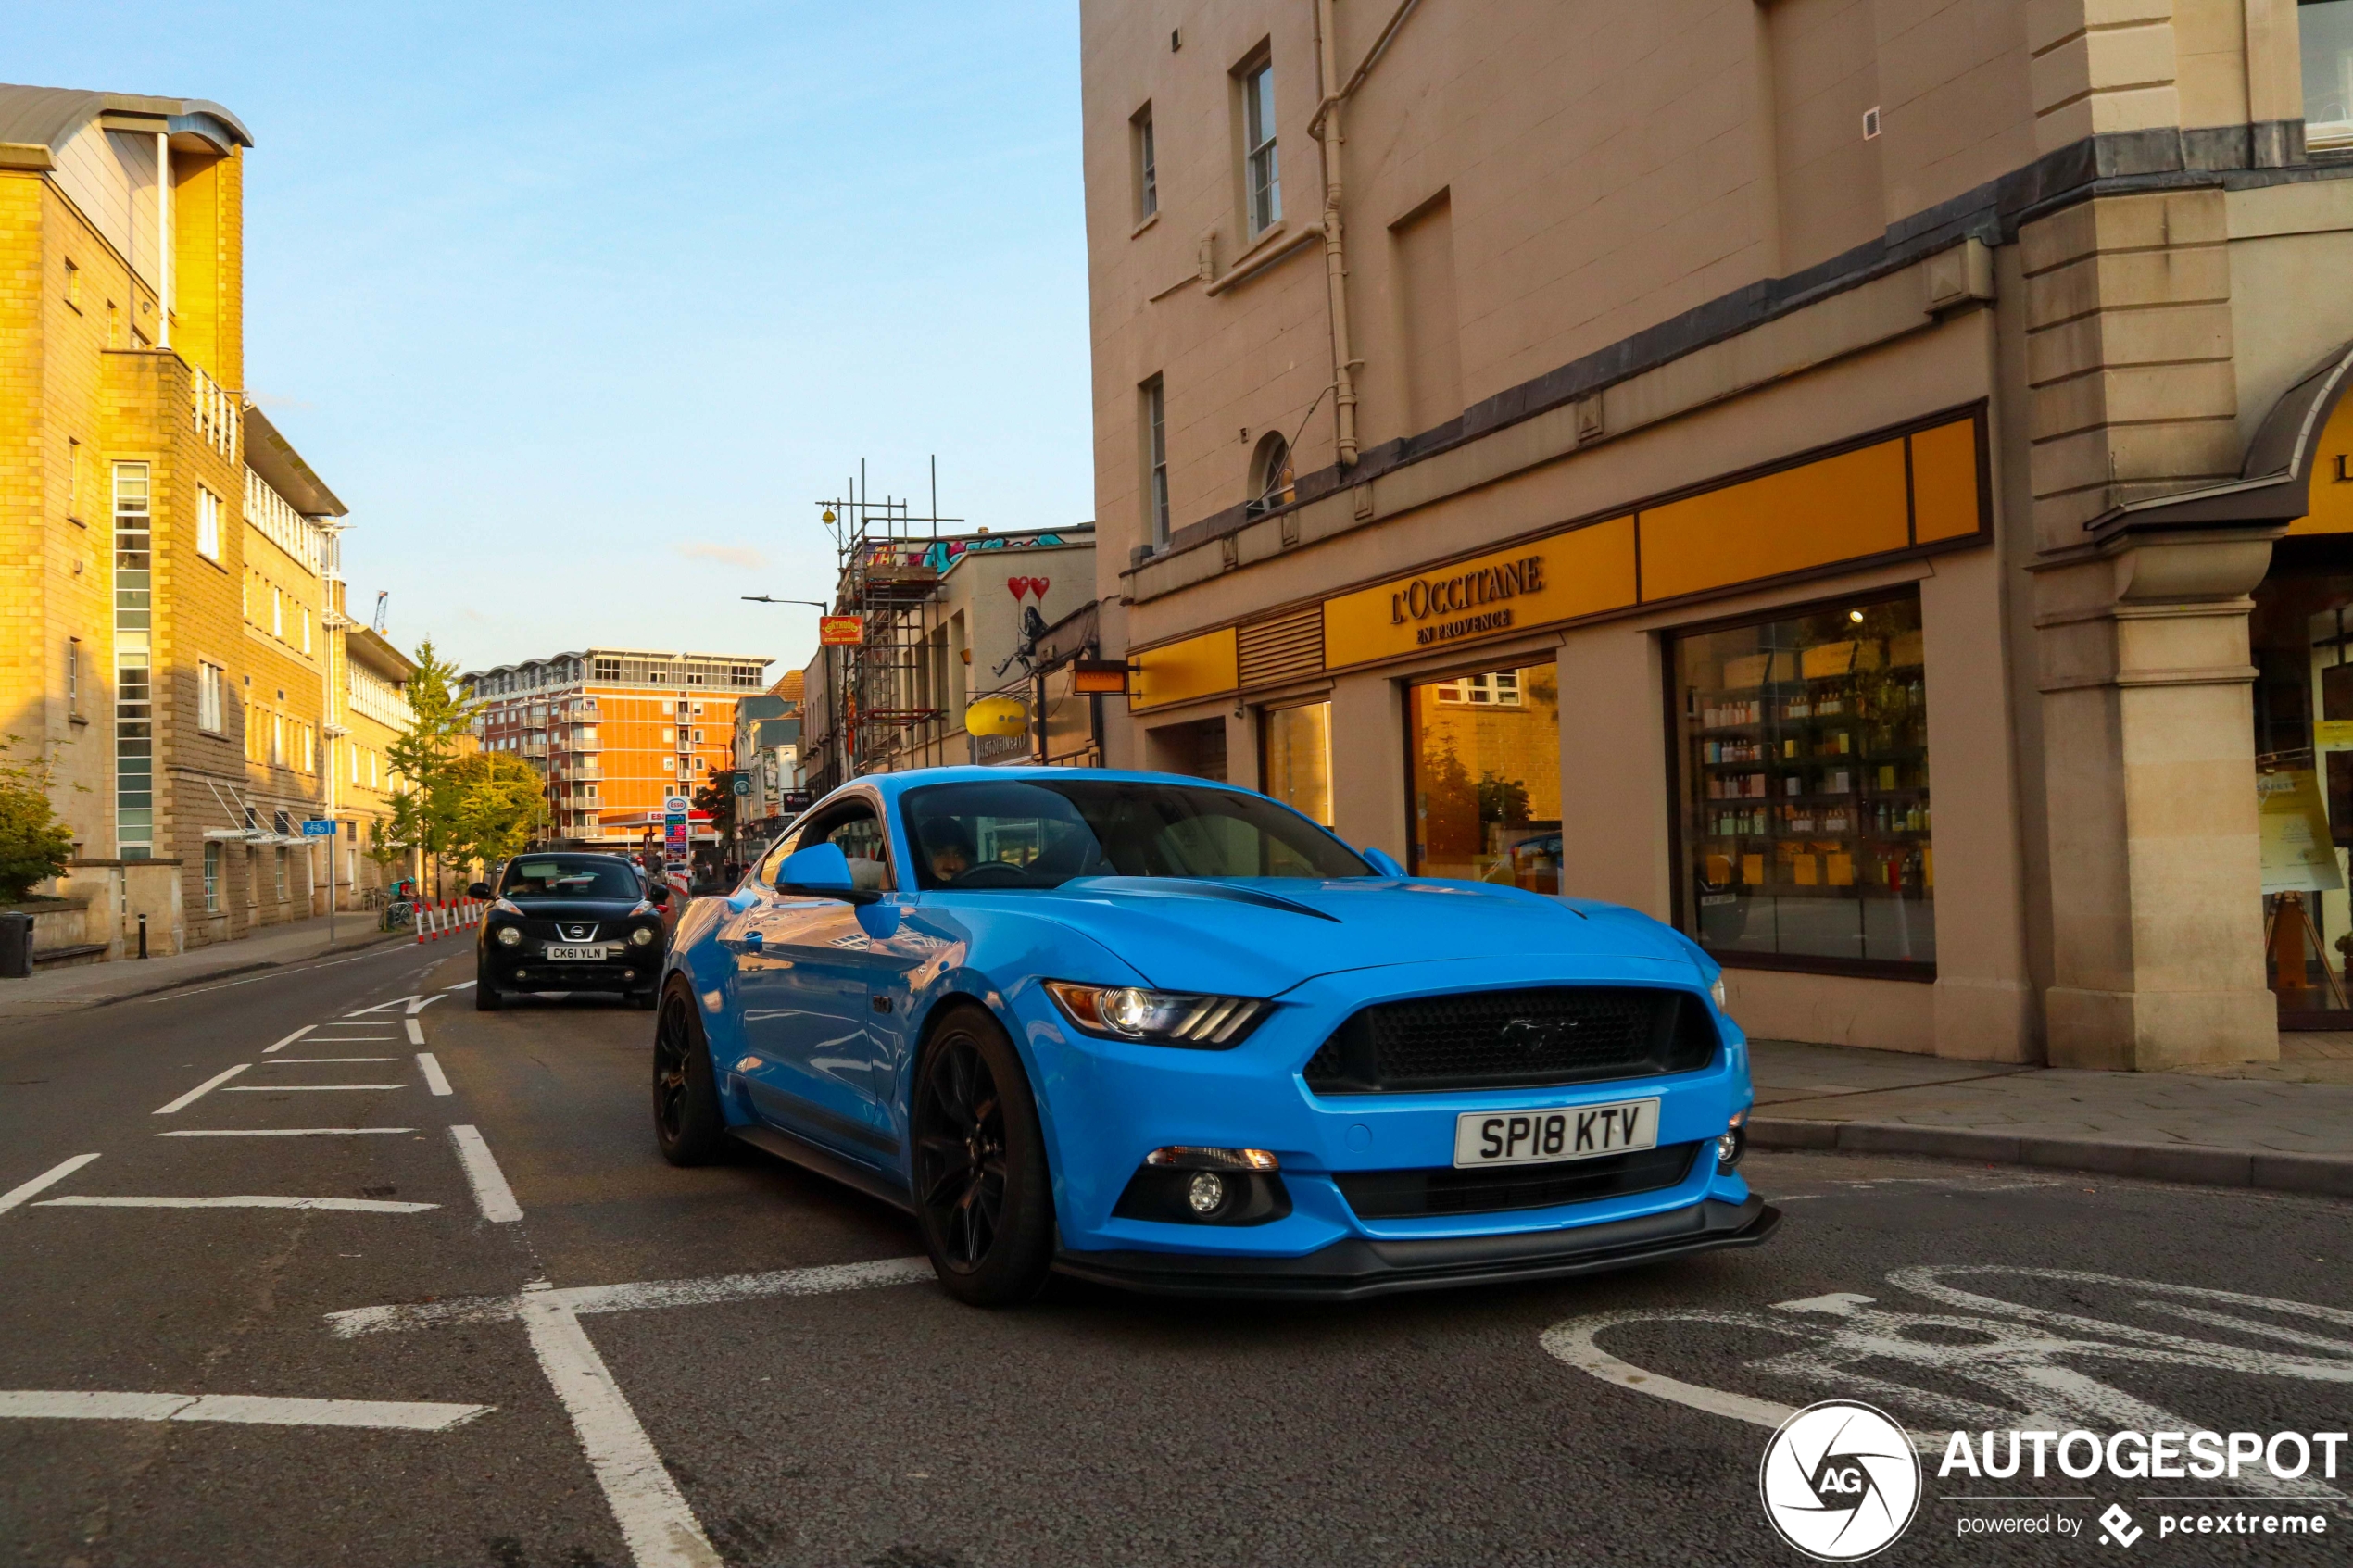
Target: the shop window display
(1802, 747)
(1295, 749)
(1485, 768)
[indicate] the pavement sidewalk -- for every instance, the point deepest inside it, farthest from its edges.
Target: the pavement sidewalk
(2287, 1126)
(87, 986)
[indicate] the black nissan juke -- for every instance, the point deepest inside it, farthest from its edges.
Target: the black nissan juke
(570, 923)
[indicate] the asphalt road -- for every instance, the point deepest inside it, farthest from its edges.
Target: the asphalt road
(371, 1381)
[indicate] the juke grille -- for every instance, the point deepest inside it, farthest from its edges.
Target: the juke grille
(1398, 1195)
(1496, 1039)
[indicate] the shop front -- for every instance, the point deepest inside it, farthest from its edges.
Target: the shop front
(1714, 704)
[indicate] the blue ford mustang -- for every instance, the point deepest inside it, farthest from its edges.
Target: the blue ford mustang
(1175, 1036)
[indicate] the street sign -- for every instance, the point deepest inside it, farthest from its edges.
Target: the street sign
(743, 784)
(676, 805)
(840, 631)
(317, 827)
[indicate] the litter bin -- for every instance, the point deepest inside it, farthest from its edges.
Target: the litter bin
(15, 946)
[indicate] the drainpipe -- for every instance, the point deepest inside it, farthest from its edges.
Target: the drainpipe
(163, 239)
(1335, 252)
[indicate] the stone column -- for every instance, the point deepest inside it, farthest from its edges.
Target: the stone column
(2142, 643)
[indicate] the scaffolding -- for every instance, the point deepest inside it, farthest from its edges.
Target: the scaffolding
(890, 562)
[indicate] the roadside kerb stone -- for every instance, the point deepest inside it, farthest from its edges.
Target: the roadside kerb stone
(2195, 1163)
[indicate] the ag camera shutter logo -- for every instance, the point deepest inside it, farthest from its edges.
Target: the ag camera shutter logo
(1840, 1481)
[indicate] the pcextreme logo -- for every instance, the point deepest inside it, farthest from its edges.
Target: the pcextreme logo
(1840, 1481)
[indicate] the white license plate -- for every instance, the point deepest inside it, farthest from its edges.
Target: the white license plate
(593, 955)
(1538, 1137)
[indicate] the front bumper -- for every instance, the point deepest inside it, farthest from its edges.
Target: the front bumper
(1357, 1267)
(523, 968)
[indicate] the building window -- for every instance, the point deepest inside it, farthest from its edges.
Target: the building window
(1270, 475)
(305, 613)
(1156, 461)
(306, 740)
(1147, 170)
(74, 479)
(73, 284)
(134, 746)
(1486, 779)
(278, 613)
(1259, 173)
(2324, 33)
(281, 873)
(1295, 758)
(208, 684)
(212, 879)
(207, 524)
(277, 740)
(1802, 747)
(73, 677)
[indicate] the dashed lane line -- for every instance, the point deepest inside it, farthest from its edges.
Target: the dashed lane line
(492, 1194)
(461, 985)
(322, 1060)
(274, 972)
(435, 1080)
(43, 1182)
(302, 1089)
(823, 1280)
(49, 1404)
(289, 1040)
(343, 1205)
(278, 1132)
(416, 1032)
(201, 1090)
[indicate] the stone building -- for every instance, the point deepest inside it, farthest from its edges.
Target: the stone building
(172, 614)
(1886, 454)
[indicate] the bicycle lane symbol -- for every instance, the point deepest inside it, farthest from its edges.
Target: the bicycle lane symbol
(2030, 1360)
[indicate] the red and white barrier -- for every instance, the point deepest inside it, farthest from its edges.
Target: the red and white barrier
(437, 919)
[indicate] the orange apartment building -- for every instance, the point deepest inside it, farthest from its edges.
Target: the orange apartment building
(615, 731)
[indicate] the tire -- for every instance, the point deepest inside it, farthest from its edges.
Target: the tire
(984, 1198)
(487, 997)
(689, 1128)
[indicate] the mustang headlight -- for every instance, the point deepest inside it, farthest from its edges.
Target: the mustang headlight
(509, 935)
(643, 937)
(1159, 1018)
(1715, 989)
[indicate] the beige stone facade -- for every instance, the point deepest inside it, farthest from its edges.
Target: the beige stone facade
(1879, 416)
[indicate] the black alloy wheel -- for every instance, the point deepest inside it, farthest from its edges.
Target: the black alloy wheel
(982, 1193)
(688, 1127)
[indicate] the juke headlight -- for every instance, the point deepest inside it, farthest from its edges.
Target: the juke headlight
(643, 937)
(511, 936)
(1186, 1018)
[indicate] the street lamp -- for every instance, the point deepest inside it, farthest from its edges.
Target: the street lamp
(833, 700)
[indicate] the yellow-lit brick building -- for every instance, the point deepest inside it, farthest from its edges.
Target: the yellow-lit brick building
(170, 610)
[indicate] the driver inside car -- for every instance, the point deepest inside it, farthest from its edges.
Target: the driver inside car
(949, 852)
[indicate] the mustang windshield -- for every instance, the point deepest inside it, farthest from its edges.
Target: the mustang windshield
(569, 876)
(1029, 833)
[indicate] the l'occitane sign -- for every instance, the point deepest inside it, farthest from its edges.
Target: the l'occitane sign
(1581, 573)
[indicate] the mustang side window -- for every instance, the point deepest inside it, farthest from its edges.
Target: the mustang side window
(860, 839)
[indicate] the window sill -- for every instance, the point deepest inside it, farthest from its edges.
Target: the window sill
(1148, 222)
(1270, 248)
(78, 720)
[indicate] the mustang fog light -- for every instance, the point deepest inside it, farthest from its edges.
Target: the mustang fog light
(1159, 1018)
(509, 937)
(1732, 1144)
(642, 937)
(1205, 1192)
(1187, 1186)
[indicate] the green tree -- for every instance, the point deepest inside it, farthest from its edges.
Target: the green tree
(499, 803)
(716, 795)
(34, 845)
(426, 813)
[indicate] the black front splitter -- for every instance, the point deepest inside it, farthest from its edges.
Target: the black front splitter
(1356, 1268)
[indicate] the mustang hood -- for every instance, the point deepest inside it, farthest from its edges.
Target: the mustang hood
(1264, 935)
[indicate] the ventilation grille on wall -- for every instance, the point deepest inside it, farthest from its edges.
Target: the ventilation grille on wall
(1285, 648)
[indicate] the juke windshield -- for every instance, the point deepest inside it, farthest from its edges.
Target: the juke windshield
(569, 876)
(1024, 833)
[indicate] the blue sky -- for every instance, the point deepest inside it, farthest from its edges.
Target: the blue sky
(580, 307)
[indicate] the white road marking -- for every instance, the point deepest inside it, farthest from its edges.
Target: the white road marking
(44, 1404)
(416, 1032)
(201, 1090)
(301, 1088)
(825, 1280)
(43, 1182)
(347, 1205)
(381, 1006)
(424, 1002)
(660, 1530)
(492, 1194)
(461, 985)
(273, 973)
(321, 1061)
(290, 1039)
(433, 1079)
(280, 1131)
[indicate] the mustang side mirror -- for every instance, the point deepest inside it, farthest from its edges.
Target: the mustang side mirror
(822, 871)
(1381, 861)
(479, 890)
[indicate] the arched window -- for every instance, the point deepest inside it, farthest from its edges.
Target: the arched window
(1270, 475)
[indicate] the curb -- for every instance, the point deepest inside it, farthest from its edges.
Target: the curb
(378, 940)
(2205, 1166)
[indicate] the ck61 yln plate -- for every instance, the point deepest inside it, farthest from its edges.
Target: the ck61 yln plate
(1539, 1137)
(592, 954)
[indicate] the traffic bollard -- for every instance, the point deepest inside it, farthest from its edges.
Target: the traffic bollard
(15, 946)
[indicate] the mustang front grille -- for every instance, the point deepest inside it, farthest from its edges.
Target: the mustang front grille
(1398, 1195)
(1494, 1039)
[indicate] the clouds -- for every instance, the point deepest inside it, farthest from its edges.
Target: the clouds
(742, 556)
